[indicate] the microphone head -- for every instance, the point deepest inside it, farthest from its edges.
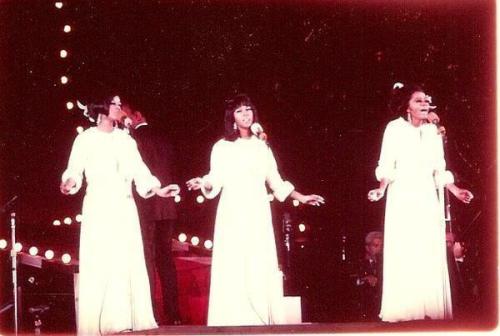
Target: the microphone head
(256, 129)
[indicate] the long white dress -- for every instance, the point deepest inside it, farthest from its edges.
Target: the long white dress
(246, 285)
(113, 290)
(415, 275)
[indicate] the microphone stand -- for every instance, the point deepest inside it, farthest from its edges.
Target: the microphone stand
(13, 255)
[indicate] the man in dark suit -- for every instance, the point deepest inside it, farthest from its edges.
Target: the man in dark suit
(157, 215)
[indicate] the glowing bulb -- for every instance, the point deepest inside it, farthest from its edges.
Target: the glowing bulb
(18, 247)
(182, 237)
(56, 222)
(70, 105)
(67, 221)
(200, 199)
(63, 53)
(67, 28)
(195, 240)
(79, 218)
(302, 227)
(208, 244)
(270, 197)
(66, 258)
(49, 254)
(64, 80)
(33, 250)
(3, 244)
(177, 199)
(295, 203)
(58, 4)
(79, 129)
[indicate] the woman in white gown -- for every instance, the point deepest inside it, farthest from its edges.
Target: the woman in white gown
(246, 283)
(113, 286)
(412, 168)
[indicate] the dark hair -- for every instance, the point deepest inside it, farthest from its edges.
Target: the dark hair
(230, 106)
(99, 107)
(400, 97)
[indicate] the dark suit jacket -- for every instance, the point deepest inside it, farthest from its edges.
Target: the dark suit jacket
(157, 153)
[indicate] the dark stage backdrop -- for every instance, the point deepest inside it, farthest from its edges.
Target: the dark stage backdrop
(320, 73)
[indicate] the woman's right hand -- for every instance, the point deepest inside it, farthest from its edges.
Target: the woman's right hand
(67, 185)
(375, 195)
(194, 183)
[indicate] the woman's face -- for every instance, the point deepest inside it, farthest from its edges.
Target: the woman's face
(243, 117)
(418, 106)
(115, 109)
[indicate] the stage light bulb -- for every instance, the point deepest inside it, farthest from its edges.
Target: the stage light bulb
(58, 4)
(33, 250)
(200, 199)
(182, 237)
(79, 218)
(177, 199)
(79, 129)
(56, 222)
(18, 247)
(295, 203)
(270, 197)
(195, 240)
(67, 221)
(64, 80)
(63, 53)
(302, 227)
(70, 105)
(3, 244)
(66, 258)
(67, 28)
(208, 244)
(49, 254)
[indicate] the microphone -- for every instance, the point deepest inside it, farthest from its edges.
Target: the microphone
(258, 131)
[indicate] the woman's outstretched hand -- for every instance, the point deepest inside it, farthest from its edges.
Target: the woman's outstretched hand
(171, 190)
(67, 185)
(194, 183)
(315, 200)
(464, 195)
(375, 195)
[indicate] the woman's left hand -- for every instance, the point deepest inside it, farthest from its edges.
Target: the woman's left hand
(171, 190)
(464, 195)
(315, 200)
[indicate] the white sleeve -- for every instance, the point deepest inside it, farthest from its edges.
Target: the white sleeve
(215, 176)
(144, 180)
(76, 164)
(281, 189)
(387, 162)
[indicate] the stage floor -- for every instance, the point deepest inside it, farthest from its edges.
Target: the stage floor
(326, 328)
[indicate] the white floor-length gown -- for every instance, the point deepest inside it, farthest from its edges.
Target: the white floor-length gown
(113, 291)
(416, 283)
(246, 285)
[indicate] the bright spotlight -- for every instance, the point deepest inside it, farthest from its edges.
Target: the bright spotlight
(295, 203)
(208, 244)
(3, 244)
(177, 198)
(70, 105)
(18, 247)
(67, 28)
(200, 199)
(182, 237)
(67, 221)
(63, 53)
(56, 222)
(58, 4)
(79, 218)
(302, 227)
(195, 240)
(66, 258)
(49, 254)
(33, 250)
(270, 197)
(79, 129)
(64, 80)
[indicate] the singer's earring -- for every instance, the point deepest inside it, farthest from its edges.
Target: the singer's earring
(235, 127)
(409, 117)
(99, 119)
